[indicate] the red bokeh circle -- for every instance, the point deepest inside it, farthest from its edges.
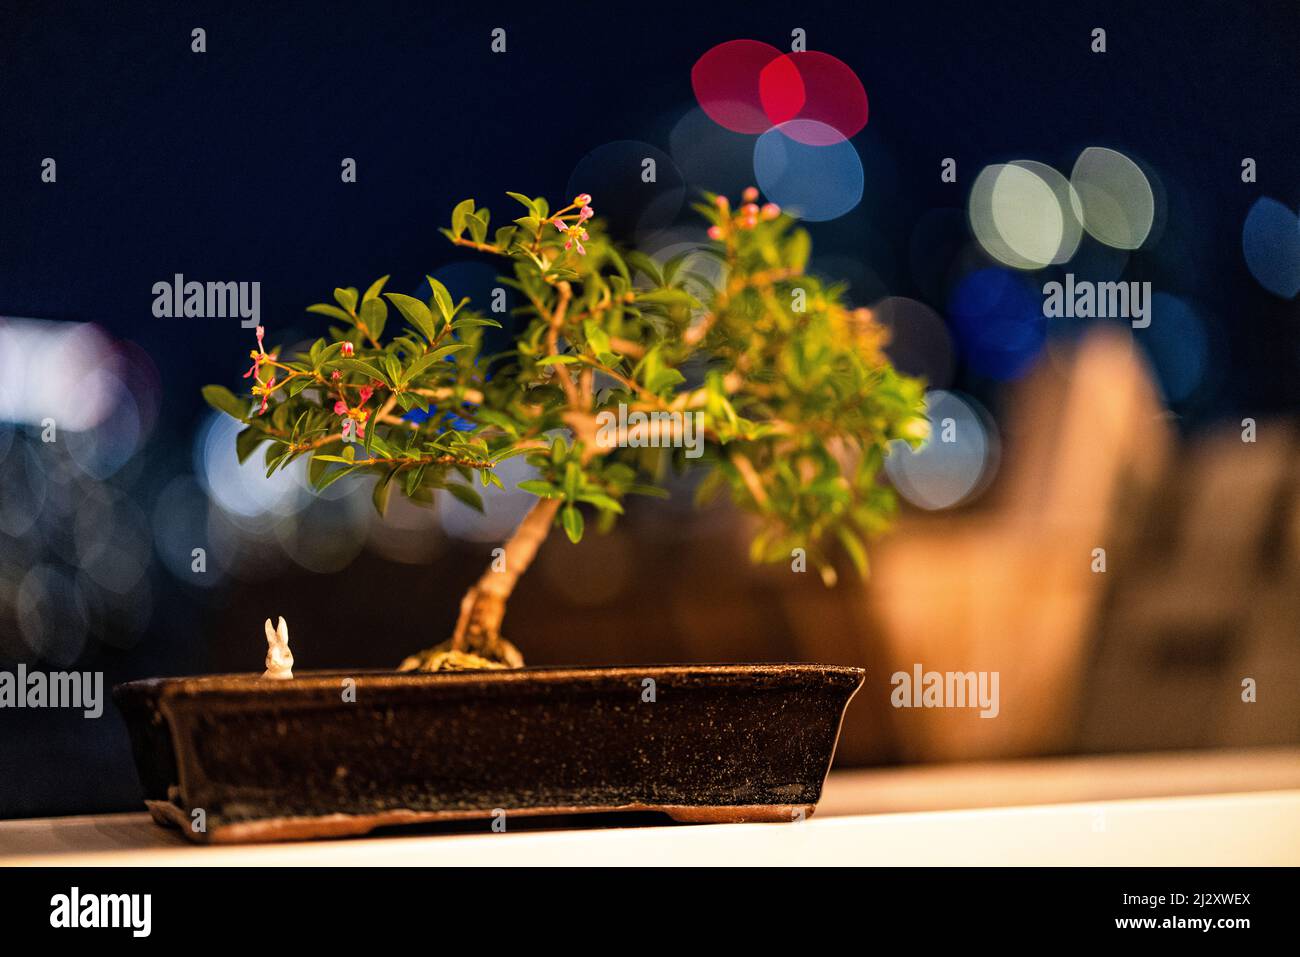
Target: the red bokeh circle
(726, 84)
(813, 86)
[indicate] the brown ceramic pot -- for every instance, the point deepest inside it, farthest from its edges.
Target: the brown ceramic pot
(329, 754)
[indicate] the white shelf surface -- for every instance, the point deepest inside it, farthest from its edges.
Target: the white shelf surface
(1208, 808)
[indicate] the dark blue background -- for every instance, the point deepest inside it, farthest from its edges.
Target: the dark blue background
(225, 165)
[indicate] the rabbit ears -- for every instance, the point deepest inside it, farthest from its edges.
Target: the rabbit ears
(278, 635)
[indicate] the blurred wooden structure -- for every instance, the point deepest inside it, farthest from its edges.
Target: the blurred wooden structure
(1010, 586)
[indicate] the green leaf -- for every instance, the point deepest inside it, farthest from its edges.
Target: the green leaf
(365, 368)
(422, 364)
(668, 297)
(571, 518)
(505, 236)
(467, 495)
(597, 337)
(375, 289)
(539, 487)
(664, 378)
(798, 249)
(526, 201)
(223, 400)
(374, 313)
(415, 312)
(558, 360)
(382, 489)
(247, 441)
(650, 491)
(347, 298)
(572, 480)
(329, 478)
(334, 312)
(601, 501)
(442, 297)
(853, 545)
(645, 264)
(459, 216)
(477, 227)
(470, 322)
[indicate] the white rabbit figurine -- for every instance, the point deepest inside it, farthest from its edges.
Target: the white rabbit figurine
(279, 659)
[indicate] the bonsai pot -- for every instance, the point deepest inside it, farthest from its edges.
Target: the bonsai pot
(330, 754)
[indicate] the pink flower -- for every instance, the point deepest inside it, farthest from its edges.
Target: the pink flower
(266, 395)
(771, 211)
(335, 376)
(349, 430)
(366, 393)
(715, 232)
(722, 203)
(340, 407)
(347, 348)
(258, 357)
(559, 224)
(576, 235)
(750, 194)
(585, 214)
(582, 199)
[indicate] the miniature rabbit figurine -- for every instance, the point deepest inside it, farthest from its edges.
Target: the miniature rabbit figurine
(279, 659)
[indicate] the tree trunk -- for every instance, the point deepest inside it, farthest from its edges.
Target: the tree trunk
(477, 640)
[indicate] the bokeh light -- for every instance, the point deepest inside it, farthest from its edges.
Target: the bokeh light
(702, 272)
(503, 508)
(816, 183)
(710, 156)
(998, 320)
(52, 614)
(955, 463)
(815, 86)
(329, 533)
(55, 370)
(726, 84)
(409, 532)
(919, 342)
(1022, 214)
(1116, 203)
(180, 525)
(243, 490)
(1178, 344)
(1270, 241)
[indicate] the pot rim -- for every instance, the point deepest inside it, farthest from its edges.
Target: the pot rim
(316, 680)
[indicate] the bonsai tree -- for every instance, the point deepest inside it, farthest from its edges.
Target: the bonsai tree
(619, 368)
